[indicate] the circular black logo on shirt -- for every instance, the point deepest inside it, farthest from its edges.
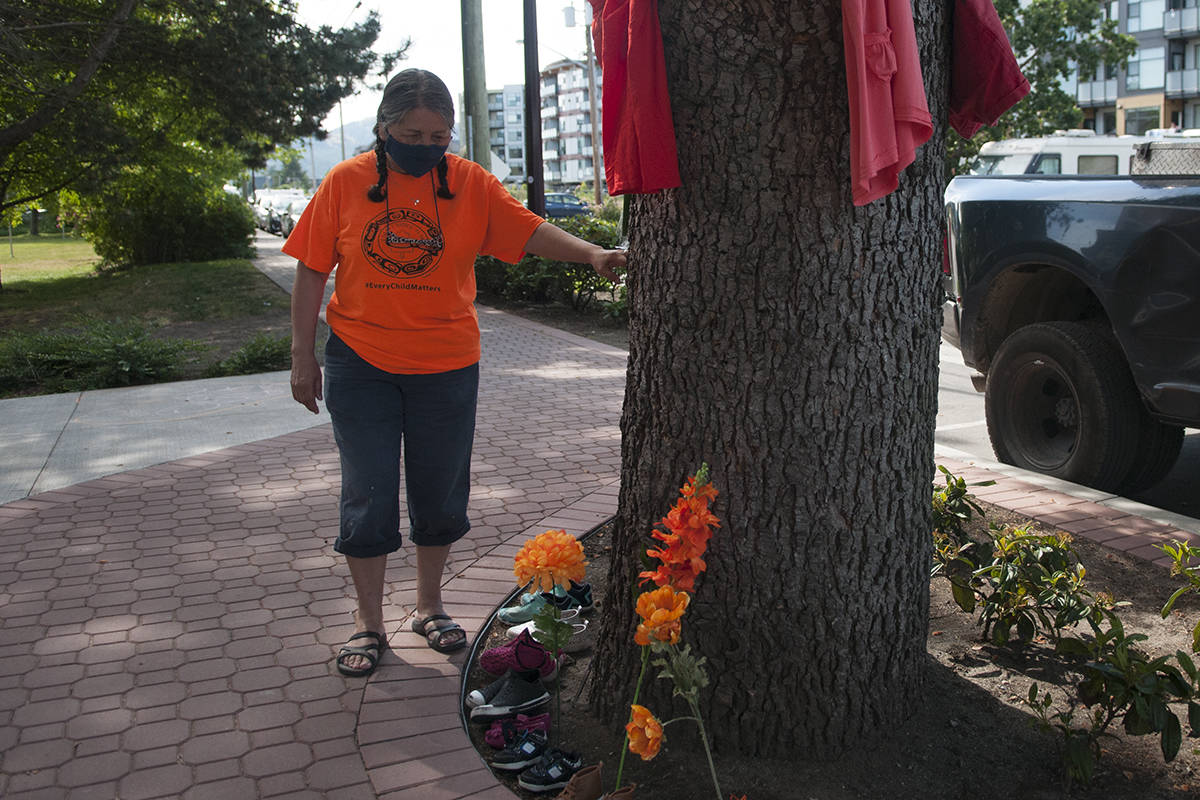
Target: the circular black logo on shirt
(403, 243)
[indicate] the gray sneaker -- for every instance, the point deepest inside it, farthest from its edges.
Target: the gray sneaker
(516, 696)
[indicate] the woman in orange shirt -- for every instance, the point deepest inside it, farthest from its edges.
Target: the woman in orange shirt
(403, 225)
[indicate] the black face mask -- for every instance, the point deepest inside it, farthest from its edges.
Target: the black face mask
(414, 159)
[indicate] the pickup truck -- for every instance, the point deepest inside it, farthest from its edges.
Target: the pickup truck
(1077, 301)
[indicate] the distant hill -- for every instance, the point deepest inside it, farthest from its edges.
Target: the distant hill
(329, 152)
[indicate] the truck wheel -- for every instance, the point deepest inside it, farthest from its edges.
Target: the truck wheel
(1060, 400)
(1155, 454)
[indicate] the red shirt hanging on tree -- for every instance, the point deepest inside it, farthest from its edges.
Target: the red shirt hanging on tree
(639, 137)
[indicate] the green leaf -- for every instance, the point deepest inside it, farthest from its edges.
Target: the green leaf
(1080, 761)
(1172, 737)
(964, 596)
(1186, 662)
(1194, 717)
(1180, 592)
(1196, 638)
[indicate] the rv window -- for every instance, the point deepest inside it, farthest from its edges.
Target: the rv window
(999, 165)
(1097, 165)
(1047, 164)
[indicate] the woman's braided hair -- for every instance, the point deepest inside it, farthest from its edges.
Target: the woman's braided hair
(411, 89)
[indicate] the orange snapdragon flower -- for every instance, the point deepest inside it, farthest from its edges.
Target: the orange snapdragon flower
(660, 610)
(549, 559)
(688, 527)
(645, 733)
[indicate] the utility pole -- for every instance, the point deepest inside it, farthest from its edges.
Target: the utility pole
(590, 60)
(475, 85)
(533, 115)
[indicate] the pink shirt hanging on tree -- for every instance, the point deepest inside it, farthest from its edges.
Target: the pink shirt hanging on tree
(639, 137)
(889, 117)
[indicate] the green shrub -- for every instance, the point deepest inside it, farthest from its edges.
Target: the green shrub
(542, 280)
(263, 353)
(100, 354)
(161, 216)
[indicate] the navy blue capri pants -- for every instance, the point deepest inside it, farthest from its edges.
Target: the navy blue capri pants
(377, 415)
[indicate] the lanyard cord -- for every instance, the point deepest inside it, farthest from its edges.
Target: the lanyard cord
(387, 200)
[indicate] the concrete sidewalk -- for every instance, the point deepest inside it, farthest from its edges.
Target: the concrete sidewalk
(170, 604)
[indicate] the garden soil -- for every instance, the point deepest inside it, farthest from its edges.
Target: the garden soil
(970, 736)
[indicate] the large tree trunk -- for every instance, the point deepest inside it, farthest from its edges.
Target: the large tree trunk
(790, 340)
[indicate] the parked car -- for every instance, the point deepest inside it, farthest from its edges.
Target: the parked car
(258, 206)
(292, 215)
(1076, 299)
(277, 208)
(561, 204)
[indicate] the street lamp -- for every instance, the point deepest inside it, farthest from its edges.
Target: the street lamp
(590, 58)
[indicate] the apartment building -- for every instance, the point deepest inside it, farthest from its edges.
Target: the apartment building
(568, 157)
(506, 128)
(1160, 86)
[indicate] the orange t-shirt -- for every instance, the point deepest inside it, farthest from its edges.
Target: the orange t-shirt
(404, 290)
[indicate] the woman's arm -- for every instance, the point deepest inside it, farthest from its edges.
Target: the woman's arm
(307, 293)
(550, 241)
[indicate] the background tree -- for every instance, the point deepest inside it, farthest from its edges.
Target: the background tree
(790, 340)
(1052, 39)
(88, 88)
(290, 173)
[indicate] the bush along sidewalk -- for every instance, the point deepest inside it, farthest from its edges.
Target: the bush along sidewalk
(1026, 584)
(542, 280)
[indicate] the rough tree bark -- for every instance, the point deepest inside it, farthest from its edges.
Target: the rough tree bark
(790, 340)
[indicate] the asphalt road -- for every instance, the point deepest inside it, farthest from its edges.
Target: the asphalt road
(961, 427)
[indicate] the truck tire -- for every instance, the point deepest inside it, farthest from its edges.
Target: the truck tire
(1157, 451)
(1060, 400)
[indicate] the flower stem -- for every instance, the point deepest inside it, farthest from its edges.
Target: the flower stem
(707, 752)
(636, 691)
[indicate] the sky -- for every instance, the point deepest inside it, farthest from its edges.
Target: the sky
(435, 27)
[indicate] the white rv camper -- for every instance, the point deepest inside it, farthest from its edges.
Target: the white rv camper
(1074, 152)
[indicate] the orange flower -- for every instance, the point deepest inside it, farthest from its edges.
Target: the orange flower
(688, 526)
(554, 557)
(645, 733)
(660, 611)
(706, 492)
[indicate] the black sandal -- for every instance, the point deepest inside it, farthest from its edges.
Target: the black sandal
(370, 652)
(434, 637)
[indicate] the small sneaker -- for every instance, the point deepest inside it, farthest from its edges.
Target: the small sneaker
(516, 696)
(552, 771)
(505, 731)
(479, 697)
(531, 626)
(522, 653)
(524, 752)
(578, 596)
(515, 615)
(584, 785)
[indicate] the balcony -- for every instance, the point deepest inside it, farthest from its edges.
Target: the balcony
(1184, 82)
(1096, 93)
(1181, 22)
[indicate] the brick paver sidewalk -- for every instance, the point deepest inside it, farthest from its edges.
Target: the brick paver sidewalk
(168, 632)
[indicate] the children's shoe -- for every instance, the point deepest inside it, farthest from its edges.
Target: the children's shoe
(515, 615)
(578, 596)
(552, 771)
(524, 752)
(505, 731)
(516, 696)
(531, 626)
(521, 654)
(479, 697)
(624, 793)
(584, 785)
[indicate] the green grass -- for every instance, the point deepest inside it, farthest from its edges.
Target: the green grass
(51, 284)
(66, 325)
